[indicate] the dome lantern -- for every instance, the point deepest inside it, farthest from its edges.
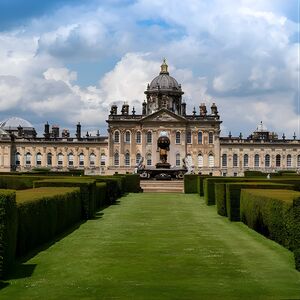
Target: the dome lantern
(164, 67)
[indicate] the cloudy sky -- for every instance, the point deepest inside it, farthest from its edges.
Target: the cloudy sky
(65, 61)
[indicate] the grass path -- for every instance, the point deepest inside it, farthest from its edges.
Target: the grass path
(159, 246)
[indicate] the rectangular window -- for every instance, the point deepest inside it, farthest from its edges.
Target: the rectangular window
(189, 137)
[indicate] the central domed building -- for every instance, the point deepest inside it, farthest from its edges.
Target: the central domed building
(195, 135)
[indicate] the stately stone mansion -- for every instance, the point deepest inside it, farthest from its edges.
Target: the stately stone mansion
(132, 136)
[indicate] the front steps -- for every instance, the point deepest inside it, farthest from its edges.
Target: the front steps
(162, 186)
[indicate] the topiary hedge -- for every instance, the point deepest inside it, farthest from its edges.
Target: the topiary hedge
(131, 183)
(8, 230)
(201, 184)
(209, 187)
(191, 183)
(233, 192)
(87, 191)
(101, 195)
(275, 214)
(220, 198)
(43, 213)
(114, 187)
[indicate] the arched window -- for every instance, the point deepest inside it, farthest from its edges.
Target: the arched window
(149, 159)
(278, 160)
(235, 160)
(256, 160)
(92, 159)
(116, 159)
(200, 160)
(17, 158)
(189, 137)
(210, 138)
(38, 159)
(103, 159)
(117, 136)
(211, 161)
(49, 159)
(298, 161)
(177, 138)
(127, 159)
(60, 158)
(267, 161)
(177, 159)
(81, 159)
(149, 137)
(138, 137)
(224, 160)
(199, 137)
(289, 160)
(127, 136)
(138, 158)
(246, 160)
(28, 159)
(70, 159)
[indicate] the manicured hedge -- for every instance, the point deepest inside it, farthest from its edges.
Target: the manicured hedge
(87, 191)
(8, 230)
(43, 213)
(209, 186)
(201, 184)
(191, 184)
(115, 186)
(101, 195)
(131, 182)
(275, 214)
(220, 198)
(22, 182)
(233, 192)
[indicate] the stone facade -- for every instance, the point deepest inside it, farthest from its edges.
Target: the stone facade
(134, 136)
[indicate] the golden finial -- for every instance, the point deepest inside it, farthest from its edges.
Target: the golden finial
(164, 67)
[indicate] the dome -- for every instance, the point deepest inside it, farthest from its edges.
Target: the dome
(164, 81)
(15, 122)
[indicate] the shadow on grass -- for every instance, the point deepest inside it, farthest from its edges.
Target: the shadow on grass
(23, 270)
(3, 284)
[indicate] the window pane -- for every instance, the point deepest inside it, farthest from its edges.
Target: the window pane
(246, 160)
(256, 160)
(138, 137)
(127, 159)
(149, 137)
(117, 137)
(200, 161)
(177, 159)
(235, 160)
(210, 138)
(267, 160)
(224, 160)
(211, 161)
(177, 138)
(189, 137)
(199, 137)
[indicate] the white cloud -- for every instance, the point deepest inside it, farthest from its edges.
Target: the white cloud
(238, 54)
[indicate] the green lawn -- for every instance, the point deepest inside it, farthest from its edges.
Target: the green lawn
(158, 246)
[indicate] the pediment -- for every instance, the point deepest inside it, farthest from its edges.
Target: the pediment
(163, 115)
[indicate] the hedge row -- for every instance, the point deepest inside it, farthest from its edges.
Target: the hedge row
(131, 182)
(233, 192)
(275, 214)
(8, 230)
(43, 213)
(191, 184)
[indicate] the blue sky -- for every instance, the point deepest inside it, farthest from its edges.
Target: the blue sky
(69, 60)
